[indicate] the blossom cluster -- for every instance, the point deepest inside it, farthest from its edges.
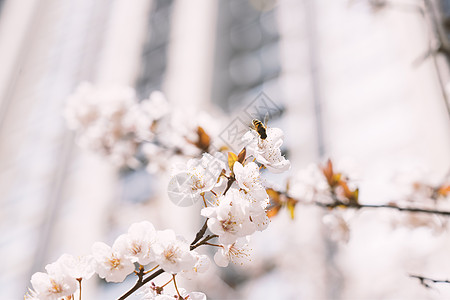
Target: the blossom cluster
(142, 245)
(113, 122)
(234, 195)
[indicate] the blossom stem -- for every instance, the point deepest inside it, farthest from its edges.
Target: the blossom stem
(204, 200)
(79, 283)
(151, 270)
(203, 242)
(215, 245)
(423, 280)
(176, 288)
(167, 283)
(229, 184)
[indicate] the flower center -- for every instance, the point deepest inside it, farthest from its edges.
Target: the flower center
(56, 288)
(114, 262)
(228, 225)
(136, 248)
(170, 254)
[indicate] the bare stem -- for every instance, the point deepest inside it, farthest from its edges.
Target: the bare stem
(176, 288)
(424, 280)
(229, 184)
(390, 206)
(79, 283)
(200, 233)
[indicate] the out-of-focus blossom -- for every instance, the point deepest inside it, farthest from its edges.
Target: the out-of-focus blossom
(110, 264)
(337, 226)
(309, 185)
(142, 116)
(267, 151)
(98, 115)
(31, 295)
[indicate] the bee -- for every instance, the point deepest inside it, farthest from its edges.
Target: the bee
(260, 128)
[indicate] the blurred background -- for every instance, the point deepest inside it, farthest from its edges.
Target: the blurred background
(360, 79)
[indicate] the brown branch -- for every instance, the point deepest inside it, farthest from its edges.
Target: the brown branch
(229, 183)
(423, 280)
(200, 233)
(390, 206)
(204, 241)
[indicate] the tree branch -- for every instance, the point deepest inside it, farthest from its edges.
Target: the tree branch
(390, 206)
(423, 280)
(229, 184)
(200, 233)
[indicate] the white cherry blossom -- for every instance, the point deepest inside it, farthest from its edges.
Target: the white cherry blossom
(110, 264)
(231, 218)
(137, 244)
(78, 267)
(267, 151)
(237, 253)
(310, 185)
(201, 265)
(173, 253)
(31, 295)
(54, 284)
(198, 177)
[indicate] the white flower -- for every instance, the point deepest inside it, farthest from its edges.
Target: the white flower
(260, 219)
(143, 115)
(31, 295)
(337, 226)
(199, 177)
(236, 252)
(54, 284)
(110, 264)
(247, 176)
(231, 218)
(98, 115)
(267, 151)
(137, 244)
(201, 265)
(77, 267)
(310, 185)
(156, 106)
(173, 253)
(258, 201)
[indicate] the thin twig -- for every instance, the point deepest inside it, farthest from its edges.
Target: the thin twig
(204, 241)
(423, 280)
(200, 233)
(390, 206)
(229, 184)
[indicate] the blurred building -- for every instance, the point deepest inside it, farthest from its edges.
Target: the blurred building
(350, 75)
